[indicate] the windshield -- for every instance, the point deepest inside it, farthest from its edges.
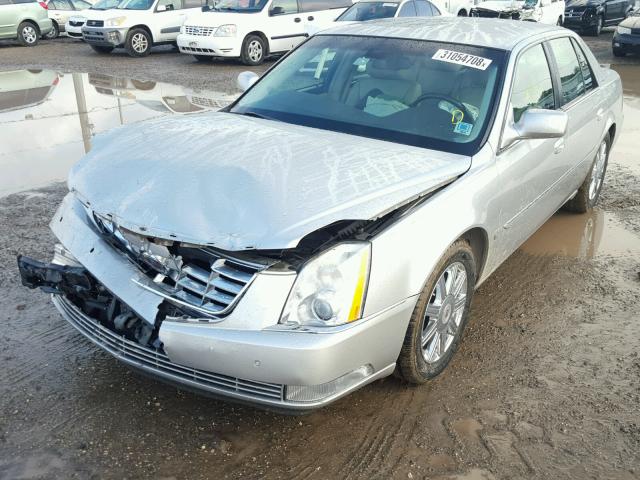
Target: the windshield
(239, 5)
(362, 11)
(434, 95)
(105, 4)
(530, 3)
(135, 4)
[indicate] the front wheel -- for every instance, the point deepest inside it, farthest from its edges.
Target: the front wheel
(618, 52)
(589, 191)
(439, 317)
(253, 50)
(138, 43)
(463, 13)
(28, 34)
(102, 49)
(54, 32)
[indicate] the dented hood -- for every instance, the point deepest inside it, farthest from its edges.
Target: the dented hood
(238, 182)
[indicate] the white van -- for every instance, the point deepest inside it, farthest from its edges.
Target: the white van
(253, 29)
(137, 25)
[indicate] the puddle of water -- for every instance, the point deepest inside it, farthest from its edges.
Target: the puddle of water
(625, 151)
(589, 235)
(48, 119)
(467, 428)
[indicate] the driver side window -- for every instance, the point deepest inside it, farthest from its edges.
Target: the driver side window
(532, 87)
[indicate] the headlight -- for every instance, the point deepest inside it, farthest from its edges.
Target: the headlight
(624, 30)
(331, 288)
(225, 31)
(114, 22)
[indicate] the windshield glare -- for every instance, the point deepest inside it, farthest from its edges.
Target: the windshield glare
(240, 5)
(105, 4)
(363, 11)
(135, 4)
(420, 93)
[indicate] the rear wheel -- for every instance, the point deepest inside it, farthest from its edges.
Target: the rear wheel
(28, 34)
(589, 191)
(463, 13)
(54, 32)
(253, 50)
(439, 317)
(102, 49)
(138, 43)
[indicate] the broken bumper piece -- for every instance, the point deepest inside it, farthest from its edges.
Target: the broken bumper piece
(245, 356)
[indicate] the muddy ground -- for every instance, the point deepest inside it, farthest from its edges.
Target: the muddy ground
(545, 384)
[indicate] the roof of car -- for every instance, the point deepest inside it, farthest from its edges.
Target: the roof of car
(482, 32)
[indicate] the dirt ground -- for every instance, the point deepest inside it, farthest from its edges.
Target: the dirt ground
(545, 384)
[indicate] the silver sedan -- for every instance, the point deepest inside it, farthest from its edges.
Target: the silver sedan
(330, 226)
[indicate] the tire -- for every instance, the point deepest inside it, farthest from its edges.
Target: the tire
(589, 191)
(53, 33)
(102, 49)
(253, 50)
(203, 58)
(559, 22)
(595, 31)
(418, 365)
(618, 52)
(463, 13)
(138, 43)
(28, 34)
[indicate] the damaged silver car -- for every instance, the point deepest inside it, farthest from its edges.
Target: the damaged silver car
(330, 226)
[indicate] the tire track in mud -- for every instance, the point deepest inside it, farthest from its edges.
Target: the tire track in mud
(379, 440)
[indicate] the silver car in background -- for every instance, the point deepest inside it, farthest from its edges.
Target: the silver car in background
(330, 226)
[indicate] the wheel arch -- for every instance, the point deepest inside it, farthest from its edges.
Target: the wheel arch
(32, 22)
(143, 27)
(478, 238)
(264, 39)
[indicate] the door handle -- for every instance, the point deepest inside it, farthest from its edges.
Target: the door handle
(310, 18)
(297, 19)
(558, 146)
(600, 114)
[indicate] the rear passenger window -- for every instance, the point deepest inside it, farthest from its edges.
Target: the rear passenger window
(5, 2)
(423, 8)
(585, 68)
(407, 10)
(532, 87)
(572, 85)
(319, 5)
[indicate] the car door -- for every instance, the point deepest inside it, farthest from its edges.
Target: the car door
(285, 27)
(168, 17)
(7, 19)
(528, 168)
(585, 109)
(614, 10)
(320, 14)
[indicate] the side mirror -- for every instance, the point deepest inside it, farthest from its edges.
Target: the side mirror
(276, 11)
(535, 123)
(246, 79)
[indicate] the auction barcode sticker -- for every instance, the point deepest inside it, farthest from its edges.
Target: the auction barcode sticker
(460, 58)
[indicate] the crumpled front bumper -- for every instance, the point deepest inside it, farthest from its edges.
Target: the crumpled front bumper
(246, 356)
(104, 36)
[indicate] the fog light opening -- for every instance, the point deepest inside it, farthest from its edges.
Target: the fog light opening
(314, 393)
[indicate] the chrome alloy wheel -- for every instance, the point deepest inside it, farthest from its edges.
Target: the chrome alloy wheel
(597, 172)
(139, 43)
(255, 51)
(444, 312)
(29, 34)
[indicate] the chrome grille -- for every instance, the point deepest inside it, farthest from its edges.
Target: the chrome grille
(95, 23)
(199, 31)
(212, 291)
(158, 362)
(209, 102)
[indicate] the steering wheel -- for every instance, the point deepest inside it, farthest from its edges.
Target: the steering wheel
(456, 103)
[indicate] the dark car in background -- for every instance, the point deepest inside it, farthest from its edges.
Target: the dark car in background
(590, 16)
(627, 36)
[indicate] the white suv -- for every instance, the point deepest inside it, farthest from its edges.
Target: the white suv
(253, 29)
(137, 25)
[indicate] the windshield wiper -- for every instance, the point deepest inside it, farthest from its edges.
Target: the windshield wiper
(251, 113)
